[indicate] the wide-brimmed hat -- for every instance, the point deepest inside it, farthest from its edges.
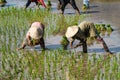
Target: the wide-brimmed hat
(82, 24)
(71, 31)
(36, 30)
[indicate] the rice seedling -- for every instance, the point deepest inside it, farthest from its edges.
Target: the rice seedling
(49, 5)
(104, 29)
(84, 8)
(64, 42)
(109, 28)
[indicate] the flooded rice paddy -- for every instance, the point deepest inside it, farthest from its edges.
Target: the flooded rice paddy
(56, 63)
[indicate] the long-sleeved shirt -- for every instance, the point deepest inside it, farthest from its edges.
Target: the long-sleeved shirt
(86, 29)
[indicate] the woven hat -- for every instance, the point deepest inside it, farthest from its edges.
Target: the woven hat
(82, 24)
(36, 30)
(71, 31)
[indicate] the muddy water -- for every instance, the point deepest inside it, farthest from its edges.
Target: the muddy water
(101, 11)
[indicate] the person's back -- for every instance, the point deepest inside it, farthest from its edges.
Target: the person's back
(36, 30)
(88, 29)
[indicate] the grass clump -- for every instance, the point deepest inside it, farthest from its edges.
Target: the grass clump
(22, 66)
(64, 42)
(49, 4)
(104, 28)
(109, 28)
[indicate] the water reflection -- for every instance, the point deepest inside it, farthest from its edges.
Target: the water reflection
(100, 50)
(90, 12)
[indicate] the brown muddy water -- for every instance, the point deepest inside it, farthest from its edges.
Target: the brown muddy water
(101, 11)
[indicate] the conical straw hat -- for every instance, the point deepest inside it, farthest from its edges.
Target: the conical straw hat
(36, 30)
(71, 31)
(82, 24)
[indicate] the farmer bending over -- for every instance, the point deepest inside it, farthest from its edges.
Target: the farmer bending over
(34, 36)
(82, 32)
(37, 2)
(62, 4)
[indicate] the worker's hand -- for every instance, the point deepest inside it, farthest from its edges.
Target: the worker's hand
(71, 47)
(99, 39)
(29, 43)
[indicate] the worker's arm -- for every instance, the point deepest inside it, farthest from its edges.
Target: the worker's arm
(71, 42)
(104, 44)
(22, 47)
(79, 44)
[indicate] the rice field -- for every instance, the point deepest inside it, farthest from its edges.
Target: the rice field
(51, 64)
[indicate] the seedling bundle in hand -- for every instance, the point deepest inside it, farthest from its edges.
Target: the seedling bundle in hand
(64, 42)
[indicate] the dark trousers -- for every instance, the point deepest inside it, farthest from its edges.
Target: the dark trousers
(84, 45)
(63, 4)
(29, 2)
